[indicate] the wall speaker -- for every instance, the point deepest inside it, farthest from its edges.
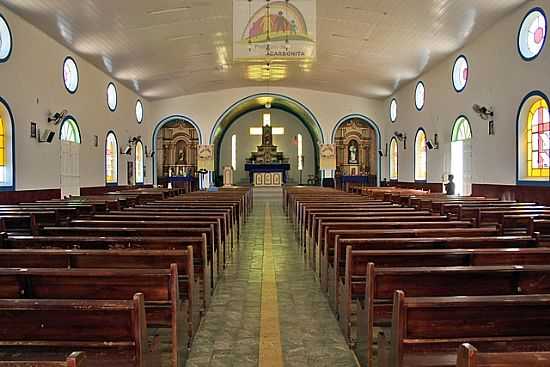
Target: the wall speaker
(429, 145)
(46, 137)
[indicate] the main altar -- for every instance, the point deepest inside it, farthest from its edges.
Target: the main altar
(267, 166)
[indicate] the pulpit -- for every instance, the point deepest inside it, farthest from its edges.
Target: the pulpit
(267, 166)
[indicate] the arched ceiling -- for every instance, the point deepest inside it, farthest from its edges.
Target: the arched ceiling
(169, 48)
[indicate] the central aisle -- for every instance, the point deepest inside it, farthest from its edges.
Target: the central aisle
(268, 268)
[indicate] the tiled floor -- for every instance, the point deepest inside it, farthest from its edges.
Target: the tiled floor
(230, 333)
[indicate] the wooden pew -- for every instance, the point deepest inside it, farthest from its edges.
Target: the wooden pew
(75, 359)
(469, 356)
(514, 323)
(164, 306)
(202, 264)
(331, 230)
(340, 236)
(111, 333)
(118, 259)
(212, 254)
(221, 253)
(373, 291)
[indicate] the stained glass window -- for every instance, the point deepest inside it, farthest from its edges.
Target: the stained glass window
(70, 75)
(393, 110)
(420, 95)
(5, 40)
(461, 73)
(394, 160)
(111, 159)
(538, 140)
(461, 129)
(2, 145)
(420, 156)
(70, 131)
(139, 163)
(532, 34)
(112, 98)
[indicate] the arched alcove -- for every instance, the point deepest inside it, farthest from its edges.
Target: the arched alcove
(175, 141)
(256, 103)
(369, 144)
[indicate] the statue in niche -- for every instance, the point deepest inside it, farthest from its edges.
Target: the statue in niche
(352, 152)
(181, 157)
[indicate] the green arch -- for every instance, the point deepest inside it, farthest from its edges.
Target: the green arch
(257, 102)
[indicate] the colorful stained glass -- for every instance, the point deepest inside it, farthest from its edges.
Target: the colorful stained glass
(394, 160)
(461, 74)
(538, 140)
(532, 34)
(139, 163)
(111, 159)
(420, 156)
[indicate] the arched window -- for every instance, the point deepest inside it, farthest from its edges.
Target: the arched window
(394, 160)
(139, 163)
(420, 156)
(234, 152)
(461, 73)
(532, 34)
(111, 159)
(70, 131)
(6, 40)
(112, 97)
(393, 110)
(461, 130)
(300, 152)
(420, 96)
(6, 147)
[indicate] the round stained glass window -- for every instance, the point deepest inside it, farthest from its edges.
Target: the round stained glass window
(393, 110)
(5, 40)
(139, 111)
(112, 97)
(461, 72)
(532, 34)
(420, 96)
(70, 74)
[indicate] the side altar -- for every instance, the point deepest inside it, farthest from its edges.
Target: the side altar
(267, 166)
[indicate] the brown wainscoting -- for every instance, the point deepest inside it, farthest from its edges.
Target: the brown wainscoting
(535, 194)
(432, 186)
(28, 196)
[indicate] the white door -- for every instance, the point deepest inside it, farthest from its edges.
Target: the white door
(461, 166)
(70, 169)
(467, 167)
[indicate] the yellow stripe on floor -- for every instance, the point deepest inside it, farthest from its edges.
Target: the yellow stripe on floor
(271, 352)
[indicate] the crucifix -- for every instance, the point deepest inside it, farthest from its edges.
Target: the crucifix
(259, 131)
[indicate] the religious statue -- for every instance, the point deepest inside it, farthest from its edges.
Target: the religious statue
(352, 153)
(181, 157)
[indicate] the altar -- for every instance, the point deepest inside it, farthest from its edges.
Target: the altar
(268, 174)
(267, 166)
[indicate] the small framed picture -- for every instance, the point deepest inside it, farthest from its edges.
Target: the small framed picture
(33, 130)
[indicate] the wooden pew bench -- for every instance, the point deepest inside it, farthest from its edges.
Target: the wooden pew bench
(165, 308)
(190, 286)
(339, 246)
(111, 333)
(469, 356)
(75, 359)
(371, 293)
(202, 264)
(428, 331)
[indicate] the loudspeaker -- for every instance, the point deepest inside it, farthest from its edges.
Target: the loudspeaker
(380, 153)
(126, 150)
(46, 137)
(429, 145)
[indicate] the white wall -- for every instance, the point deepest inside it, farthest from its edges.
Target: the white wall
(32, 84)
(498, 77)
(205, 108)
